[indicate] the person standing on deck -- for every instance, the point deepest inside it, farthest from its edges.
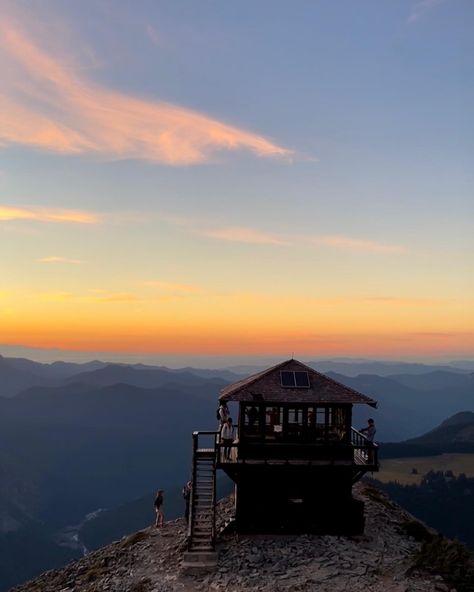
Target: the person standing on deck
(227, 436)
(369, 432)
(223, 413)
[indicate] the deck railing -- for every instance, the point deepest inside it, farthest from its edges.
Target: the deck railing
(364, 451)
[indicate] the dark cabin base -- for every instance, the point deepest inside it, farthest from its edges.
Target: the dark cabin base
(300, 503)
(338, 522)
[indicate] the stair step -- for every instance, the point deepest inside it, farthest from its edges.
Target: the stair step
(202, 548)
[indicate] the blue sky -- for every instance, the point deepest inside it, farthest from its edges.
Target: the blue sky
(331, 159)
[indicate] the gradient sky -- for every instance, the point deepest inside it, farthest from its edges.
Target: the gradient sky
(248, 177)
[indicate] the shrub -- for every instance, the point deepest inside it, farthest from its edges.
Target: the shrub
(449, 559)
(134, 538)
(417, 530)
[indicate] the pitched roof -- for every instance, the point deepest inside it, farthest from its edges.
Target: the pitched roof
(266, 386)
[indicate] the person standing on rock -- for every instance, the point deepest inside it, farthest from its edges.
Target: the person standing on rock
(187, 499)
(158, 504)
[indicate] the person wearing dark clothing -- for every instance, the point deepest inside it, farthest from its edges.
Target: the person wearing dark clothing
(369, 432)
(187, 499)
(158, 504)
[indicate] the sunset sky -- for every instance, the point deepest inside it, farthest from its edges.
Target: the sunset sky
(228, 178)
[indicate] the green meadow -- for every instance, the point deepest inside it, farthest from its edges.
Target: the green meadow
(401, 469)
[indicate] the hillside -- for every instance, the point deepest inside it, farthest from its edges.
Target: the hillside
(457, 429)
(404, 411)
(384, 558)
(455, 434)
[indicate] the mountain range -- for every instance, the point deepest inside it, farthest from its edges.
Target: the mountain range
(75, 438)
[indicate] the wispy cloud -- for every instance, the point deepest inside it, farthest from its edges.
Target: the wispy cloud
(69, 297)
(8, 213)
(57, 259)
(339, 242)
(239, 234)
(421, 8)
(46, 103)
(56, 296)
(398, 301)
(118, 297)
(152, 34)
(172, 287)
(356, 245)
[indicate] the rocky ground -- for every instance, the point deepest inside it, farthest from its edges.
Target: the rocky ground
(381, 560)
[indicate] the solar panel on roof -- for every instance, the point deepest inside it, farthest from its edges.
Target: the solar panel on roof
(287, 378)
(294, 379)
(301, 379)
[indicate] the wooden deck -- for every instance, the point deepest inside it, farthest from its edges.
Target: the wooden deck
(361, 454)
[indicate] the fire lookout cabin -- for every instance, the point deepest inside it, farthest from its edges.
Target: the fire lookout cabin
(294, 458)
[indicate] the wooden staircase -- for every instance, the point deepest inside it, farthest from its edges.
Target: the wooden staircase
(202, 515)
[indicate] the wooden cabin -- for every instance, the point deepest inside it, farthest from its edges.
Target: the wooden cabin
(294, 458)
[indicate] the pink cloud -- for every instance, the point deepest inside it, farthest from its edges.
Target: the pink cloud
(245, 235)
(46, 103)
(171, 286)
(58, 259)
(420, 8)
(347, 243)
(45, 215)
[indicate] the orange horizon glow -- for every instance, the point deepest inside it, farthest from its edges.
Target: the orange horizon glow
(168, 317)
(389, 345)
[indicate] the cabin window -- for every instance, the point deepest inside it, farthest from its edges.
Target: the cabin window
(338, 423)
(316, 424)
(251, 418)
(273, 423)
(296, 423)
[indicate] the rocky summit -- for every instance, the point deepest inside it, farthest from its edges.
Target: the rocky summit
(386, 558)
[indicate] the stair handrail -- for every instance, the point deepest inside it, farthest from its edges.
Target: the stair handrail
(193, 489)
(196, 435)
